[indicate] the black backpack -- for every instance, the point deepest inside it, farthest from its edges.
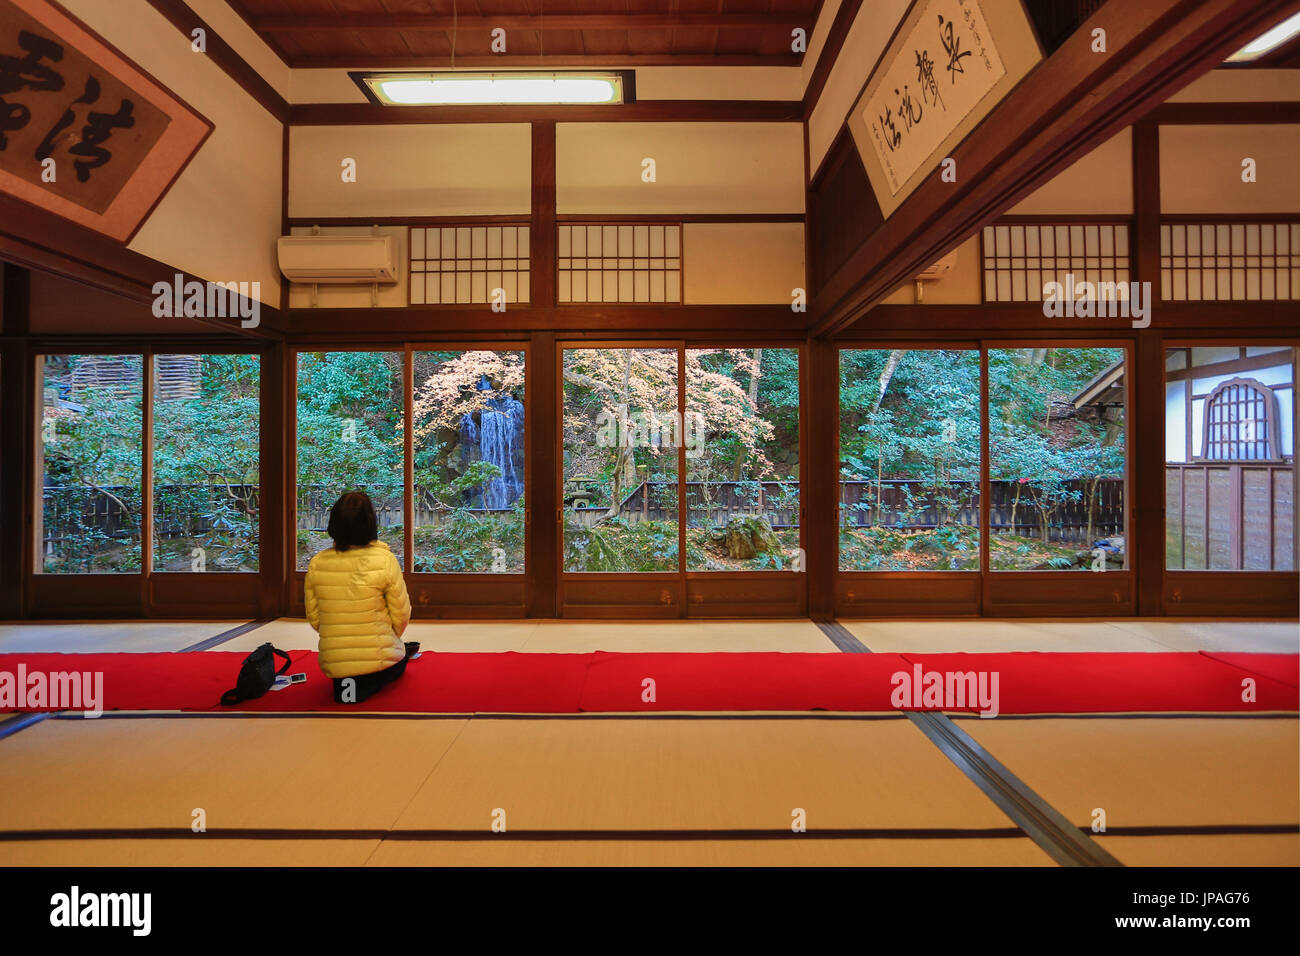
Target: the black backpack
(256, 675)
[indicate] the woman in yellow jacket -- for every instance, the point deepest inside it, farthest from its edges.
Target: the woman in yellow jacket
(356, 600)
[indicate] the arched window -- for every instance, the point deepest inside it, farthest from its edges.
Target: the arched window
(1241, 423)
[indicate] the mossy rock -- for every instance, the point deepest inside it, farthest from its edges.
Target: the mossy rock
(750, 536)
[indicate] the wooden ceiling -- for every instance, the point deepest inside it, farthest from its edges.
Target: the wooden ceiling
(383, 34)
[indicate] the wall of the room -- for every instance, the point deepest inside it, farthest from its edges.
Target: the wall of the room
(441, 170)
(699, 168)
(220, 219)
(863, 45)
(1201, 169)
(747, 170)
(1200, 172)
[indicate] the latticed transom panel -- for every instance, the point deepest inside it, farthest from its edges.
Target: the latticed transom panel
(469, 264)
(1020, 258)
(1230, 260)
(619, 262)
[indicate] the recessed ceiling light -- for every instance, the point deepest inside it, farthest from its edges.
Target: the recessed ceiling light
(493, 89)
(1267, 42)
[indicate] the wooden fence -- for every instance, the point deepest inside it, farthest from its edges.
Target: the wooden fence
(1222, 516)
(910, 503)
(70, 511)
(895, 503)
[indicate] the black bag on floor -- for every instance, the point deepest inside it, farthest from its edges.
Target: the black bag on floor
(256, 675)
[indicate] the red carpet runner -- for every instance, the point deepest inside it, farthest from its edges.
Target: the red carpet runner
(1026, 683)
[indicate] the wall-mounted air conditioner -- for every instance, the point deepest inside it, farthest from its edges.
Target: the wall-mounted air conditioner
(336, 260)
(933, 273)
(938, 269)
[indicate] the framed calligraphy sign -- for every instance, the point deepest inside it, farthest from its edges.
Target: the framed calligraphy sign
(84, 132)
(949, 64)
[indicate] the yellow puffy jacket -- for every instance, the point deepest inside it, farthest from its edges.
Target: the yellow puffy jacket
(357, 602)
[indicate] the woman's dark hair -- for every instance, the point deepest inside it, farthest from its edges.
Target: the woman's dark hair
(352, 521)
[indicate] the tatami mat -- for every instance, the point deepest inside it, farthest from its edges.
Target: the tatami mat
(1154, 772)
(456, 636)
(1218, 850)
(197, 850)
(574, 637)
(796, 851)
(1256, 637)
(791, 852)
(801, 635)
(989, 636)
(153, 772)
(687, 774)
(104, 637)
(796, 635)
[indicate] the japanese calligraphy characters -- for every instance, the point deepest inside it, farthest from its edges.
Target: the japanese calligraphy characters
(66, 123)
(949, 64)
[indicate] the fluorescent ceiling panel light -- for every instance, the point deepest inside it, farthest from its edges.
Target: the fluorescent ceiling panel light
(495, 89)
(1268, 42)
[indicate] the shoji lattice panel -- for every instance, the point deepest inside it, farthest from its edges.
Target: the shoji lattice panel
(1020, 258)
(1202, 261)
(461, 265)
(619, 262)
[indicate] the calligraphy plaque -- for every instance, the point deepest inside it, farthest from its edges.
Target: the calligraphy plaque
(84, 132)
(950, 63)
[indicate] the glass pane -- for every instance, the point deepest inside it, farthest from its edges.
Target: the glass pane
(1230, 459)
(1056, 459)
(469, 461)
(205, 462)
(909, 459)
(91, 436)
(349, 439)
(621, 434)
(742, 460)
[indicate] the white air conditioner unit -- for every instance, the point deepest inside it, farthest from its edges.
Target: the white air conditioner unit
(932, 273)
(335, 260)
(938, 269)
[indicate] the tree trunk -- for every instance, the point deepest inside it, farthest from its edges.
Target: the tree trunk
(891, 366)
(624, 449)
(737, 465)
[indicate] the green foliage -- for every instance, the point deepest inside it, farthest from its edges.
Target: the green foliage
(619, 545)
(468, 542)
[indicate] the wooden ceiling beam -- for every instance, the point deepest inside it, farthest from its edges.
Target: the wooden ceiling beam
(1071, 102)
(421, 23)
(364, 61)
(645, 111)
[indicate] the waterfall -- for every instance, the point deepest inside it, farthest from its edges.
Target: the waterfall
(497, 443)
(497, 438)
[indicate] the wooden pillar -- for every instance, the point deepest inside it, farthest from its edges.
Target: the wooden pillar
(147, 387)
(542, 549)
(821, 477)
(1146, 397)
(542, 416)
(541, 239)
(276, 543)
(18, 397)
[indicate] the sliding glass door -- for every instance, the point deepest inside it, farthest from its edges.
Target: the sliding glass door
(621, 433)
(962, 466)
